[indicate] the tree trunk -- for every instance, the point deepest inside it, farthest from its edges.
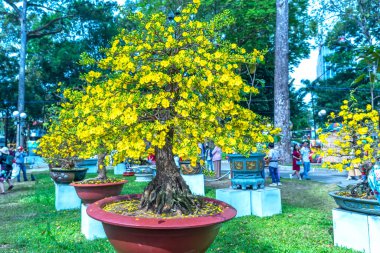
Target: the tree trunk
(102, 170)
(168, 192)
(21, 76)
(281, 75)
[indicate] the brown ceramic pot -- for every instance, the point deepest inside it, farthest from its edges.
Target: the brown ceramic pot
(158, 235)
(61, 176)
(90, 193)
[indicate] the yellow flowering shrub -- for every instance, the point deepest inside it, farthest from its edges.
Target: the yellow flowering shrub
(356, 145)
(166, 81)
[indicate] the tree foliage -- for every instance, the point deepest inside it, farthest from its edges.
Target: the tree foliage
(351, 30)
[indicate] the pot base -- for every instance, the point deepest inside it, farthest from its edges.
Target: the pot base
(160, 241)
(159, 235)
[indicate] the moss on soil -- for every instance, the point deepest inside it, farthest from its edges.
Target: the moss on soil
(131, 208)
(99, 181)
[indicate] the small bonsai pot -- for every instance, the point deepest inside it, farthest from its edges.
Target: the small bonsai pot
(66, 176)
(90, 193)
(159, 235)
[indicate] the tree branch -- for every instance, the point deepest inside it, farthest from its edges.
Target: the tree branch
(40, 32)
(14, 7)
(43, 7)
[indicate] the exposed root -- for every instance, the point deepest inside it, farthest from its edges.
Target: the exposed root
(174, 197)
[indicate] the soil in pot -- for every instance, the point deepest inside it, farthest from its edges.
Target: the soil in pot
(92, 190)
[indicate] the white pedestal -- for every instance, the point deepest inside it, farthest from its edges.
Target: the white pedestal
(143, 177)
(266, 202)
(356, 230)
(374, 231)
(262, 202)
(239, 199)
(91, 164)
(66, 197)
(196, 183)
(120, 169)
(90, 228)
(92, 169)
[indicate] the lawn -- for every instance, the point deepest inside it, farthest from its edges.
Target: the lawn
(29, 222)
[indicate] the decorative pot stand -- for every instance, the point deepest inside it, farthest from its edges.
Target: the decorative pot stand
(66, 197)
(120, 169)
(196, 183)
(262, 202)
(356, 230)
(91, 228)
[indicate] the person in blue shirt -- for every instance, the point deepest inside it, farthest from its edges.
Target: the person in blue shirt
(20, 158)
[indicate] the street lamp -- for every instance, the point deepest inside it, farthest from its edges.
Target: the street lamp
(19, 122)
(322, 113)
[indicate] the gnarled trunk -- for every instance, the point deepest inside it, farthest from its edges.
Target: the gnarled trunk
(102, 170)
(168, 192)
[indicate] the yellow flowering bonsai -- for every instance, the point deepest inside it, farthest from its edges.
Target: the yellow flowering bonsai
(58, 147)
(356, 144)
(162, 88)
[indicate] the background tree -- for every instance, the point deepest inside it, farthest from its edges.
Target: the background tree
(350, 29)
(281, 79)
(57, 33)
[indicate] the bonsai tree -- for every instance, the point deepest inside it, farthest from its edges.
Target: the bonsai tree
(58, 146)
(74, 134)
(164, 87)
(356, 144)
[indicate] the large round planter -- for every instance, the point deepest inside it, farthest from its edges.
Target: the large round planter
(61, 176)
(158, 235)
(89, 193)
(366, 206)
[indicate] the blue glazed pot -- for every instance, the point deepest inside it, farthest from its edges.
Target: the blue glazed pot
(366, 206)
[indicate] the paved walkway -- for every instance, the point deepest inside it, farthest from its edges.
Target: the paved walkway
(317, 174)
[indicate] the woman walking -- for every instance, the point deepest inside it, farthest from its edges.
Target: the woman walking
(296, 161)
(217, 160)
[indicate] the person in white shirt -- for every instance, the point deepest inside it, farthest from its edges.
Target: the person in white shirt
(305, 153)
(273, 157)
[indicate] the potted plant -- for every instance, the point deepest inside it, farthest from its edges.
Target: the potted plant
(354, 147)
(167, 85)
(59, 152)
(64, 138)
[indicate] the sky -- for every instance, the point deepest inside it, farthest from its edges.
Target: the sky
(307, 69)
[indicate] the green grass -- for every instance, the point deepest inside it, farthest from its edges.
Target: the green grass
(30, 223)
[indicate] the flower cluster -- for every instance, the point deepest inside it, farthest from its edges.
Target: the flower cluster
(356, 144)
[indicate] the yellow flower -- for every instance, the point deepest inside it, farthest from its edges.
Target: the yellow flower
(165, 103)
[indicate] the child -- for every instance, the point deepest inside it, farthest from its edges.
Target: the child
(2, 179)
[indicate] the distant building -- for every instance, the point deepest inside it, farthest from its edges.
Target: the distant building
(324, 68)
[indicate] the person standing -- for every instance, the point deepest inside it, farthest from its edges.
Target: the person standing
(201, 146)
(209, 163)
(2, 179)
(305, 153)
(273, 158)
(6, 164)
(20, 161)
(296, 161)
(217, 160)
